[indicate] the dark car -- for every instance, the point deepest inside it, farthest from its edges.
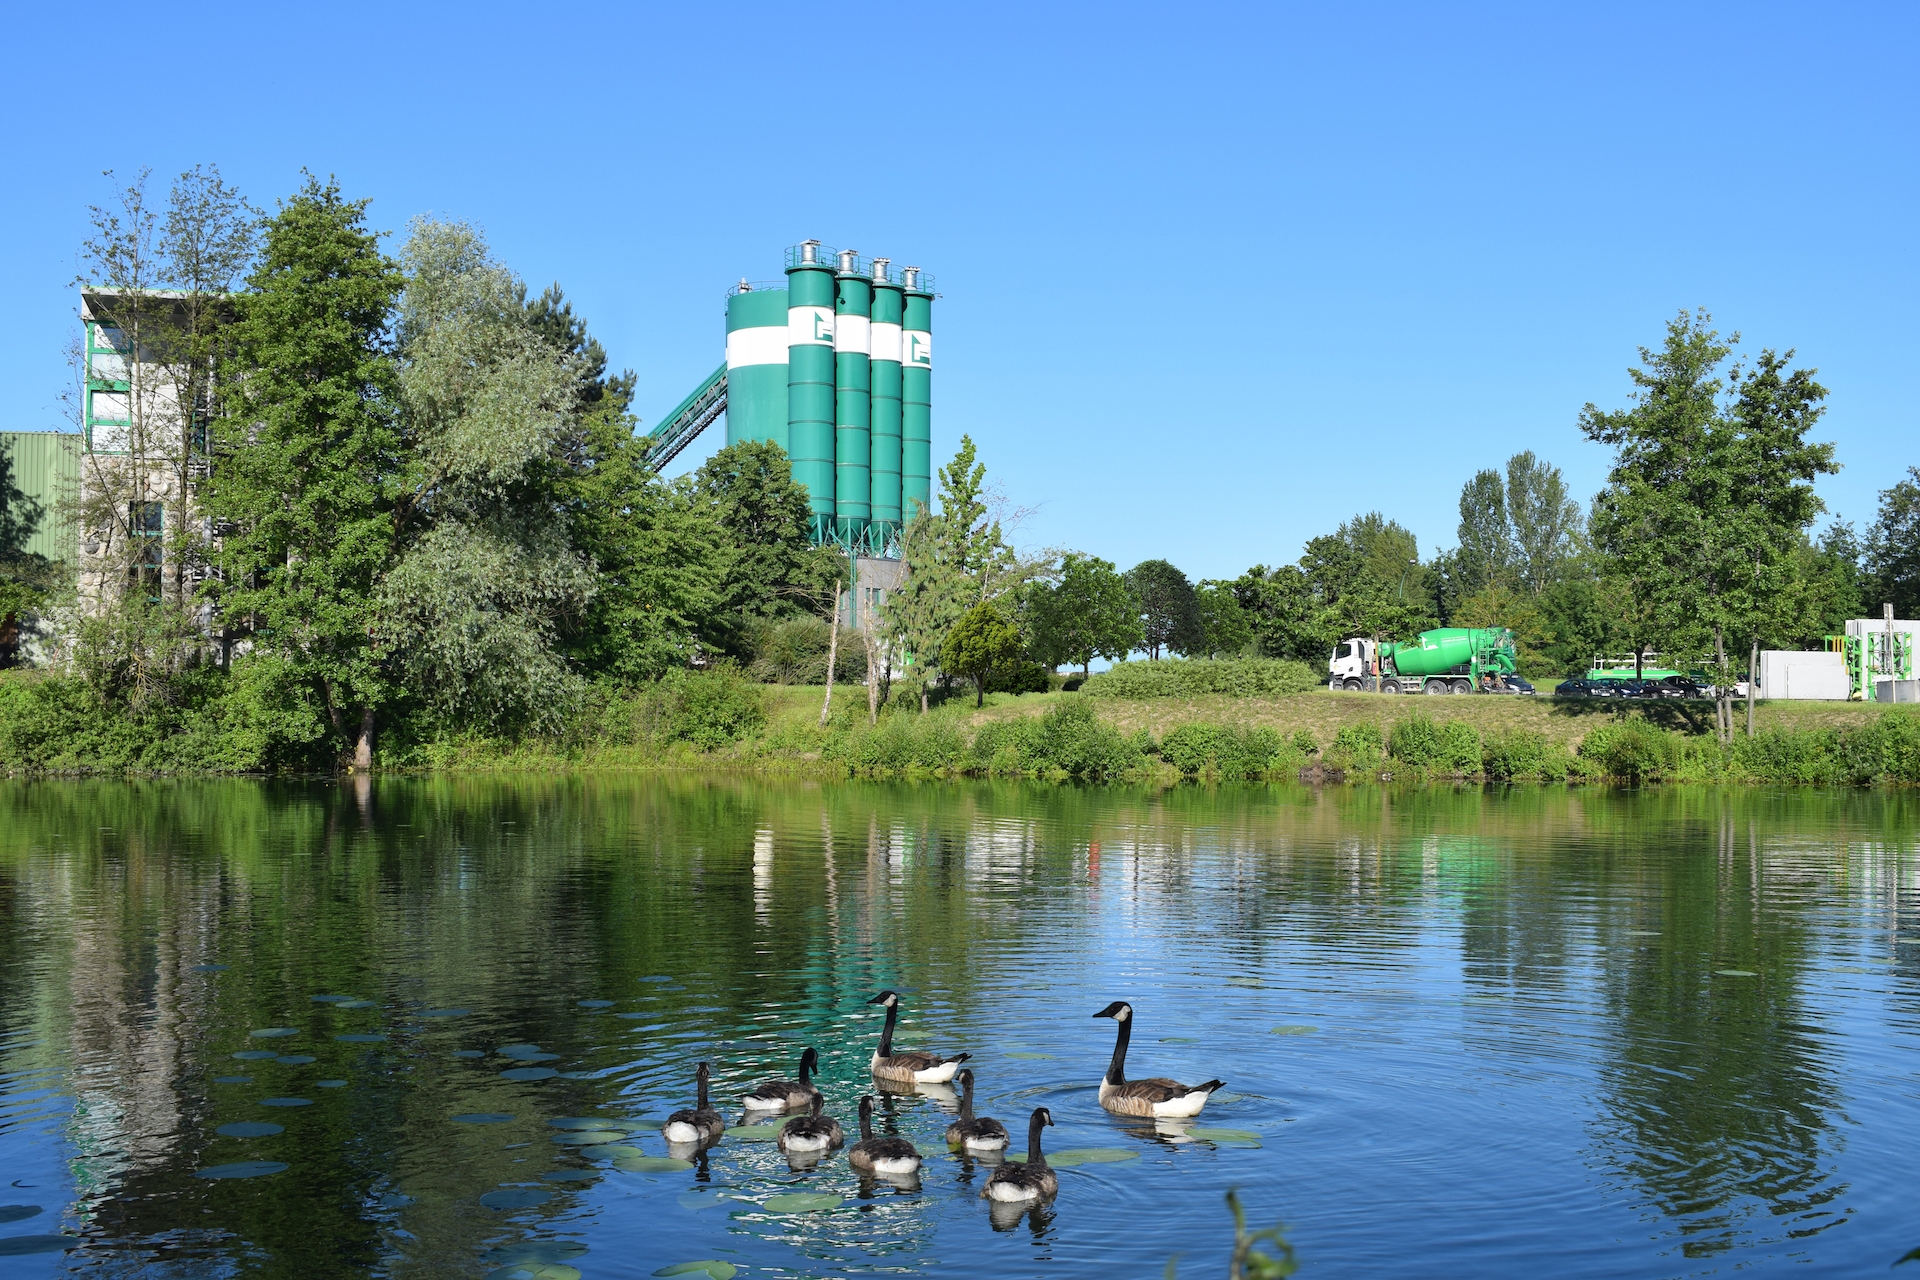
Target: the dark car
(1635, 688)
(1581, 688)
(1514, 684)
(1684, 687)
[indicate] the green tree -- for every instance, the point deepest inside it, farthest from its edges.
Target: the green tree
(1546, 523)
(1087, 614)
(309, 450)
(1893, 549)
(1284, 612)
(26, 578)
(1168, 609)
(1486, 553)
(766, 568)
(981, 646)
(1225, 628)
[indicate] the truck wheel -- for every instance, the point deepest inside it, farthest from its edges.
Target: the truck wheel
(1353, 686)
(1391, 686)
(1463, 686)
(1437, 687)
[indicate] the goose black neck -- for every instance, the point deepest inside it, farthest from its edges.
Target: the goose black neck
(701, 1089)
(806, 1072)
(1117, 1069)
(866, 1122)
(966, 1099)
(1034, 1159)
(886, 1033)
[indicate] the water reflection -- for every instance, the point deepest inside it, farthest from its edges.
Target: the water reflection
(1598, 1009)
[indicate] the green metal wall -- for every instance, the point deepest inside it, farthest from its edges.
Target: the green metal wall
(852, 417)
(45, 465)
(757, 367)
(810, 383)
(916, 396)
(888, 310)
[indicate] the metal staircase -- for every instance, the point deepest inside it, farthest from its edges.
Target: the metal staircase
(692, 416)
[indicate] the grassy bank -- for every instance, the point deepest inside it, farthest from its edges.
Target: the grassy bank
(718, 719)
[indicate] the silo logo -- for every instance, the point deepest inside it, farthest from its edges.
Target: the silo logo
(810, 326)
(822, 328)
(920, 348)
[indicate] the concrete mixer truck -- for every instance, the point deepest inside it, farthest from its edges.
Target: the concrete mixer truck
(1447, 660)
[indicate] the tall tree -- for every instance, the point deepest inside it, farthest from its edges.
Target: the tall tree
(1283, 612)
(1893, 548)
(309, 450)
(981, 646)
(1486, 553)
(1087, 614)
(1169, 611)
(1546, 524)
(765, 568)
(1225, 628)
(25, 577)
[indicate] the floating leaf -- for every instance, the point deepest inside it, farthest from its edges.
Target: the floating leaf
(14, 1246)
(446, 1013)
(1033, 1056)
(392, 1200)
(274, 1033)
(329, 1084)
(1081, 1155)
(595, 1004)
(19, 1212)
(613, 1151)
(1224, 1135)
(210, 968)
(468, 1053)
(633, 1017)
(656, 977)
(645, 1122)
(1736, 973)
(755, 1132)
(1178, 1040)
(296, 1059)
(249, 1129)
(698, 1200)
(233, 1079)
(933, 1148)
(361, 1037)
(1294, 1029)
(483, 1117)
(589, 1137)
(705, 1267)
(256, 1055)
(526, 1053)
(244, 1169)
(515, 1198)
(652, 1164)
(1245, 982)
(331, 999)
(582, 1122)
(536, 1252)
(802, 1202)
(528, 1073)
(570, 1175)
(286, 1102)
(550, 1271)
(355, 1004)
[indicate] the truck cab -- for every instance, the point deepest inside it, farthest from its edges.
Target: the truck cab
(1354, 661)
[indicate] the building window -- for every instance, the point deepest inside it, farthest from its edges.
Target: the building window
(146, 525)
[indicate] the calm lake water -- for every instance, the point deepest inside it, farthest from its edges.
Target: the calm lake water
(1540, 1031)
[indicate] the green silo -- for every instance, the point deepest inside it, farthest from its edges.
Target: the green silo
(810, 378)
(757, 365)
(888, 310)
(852, 417)
(916, 394)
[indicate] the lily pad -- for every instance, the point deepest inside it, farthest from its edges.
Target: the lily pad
(256, 1055)
(754, 1132)
(1178, 1040)
(233, 1079)
(802, 1202)
(652, 1164)
(249, 1129)
(295, 1059)
(1735, 973)
(698, 1200)
(446, 1013)
(361, 1037)
(594, 1004)
(354, 1004)
(528, 1073)
(536, 1252)
(331, 999)
(1081, 1155)
(243, 1169)
(1294, 1029)
(645, 1122)
(329, 1084)
(19, 1212)
(633, 1017)
(705, 1267)
(613, 1151)
(468, 1053)
(1245, 982)
(209, 968)
(392, 1200)
(515, 1198)
(483, 1117)
(933, 1148)
(274, 1033)
(14, 1246)
(1230, 1137)
(550, 1271)
(570, 1175)
(286, 1102)
(1032, 1056)
(656, 977)
(589, 1137)
(582, 1122)
(526, 1053)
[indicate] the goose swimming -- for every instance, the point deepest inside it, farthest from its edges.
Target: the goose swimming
(1033, 1180)
(880, 1155)
(1156, 1097)
(787, 1095)
(909, 1066)
(811, 1133)
(702, 1124)
(984, 1134)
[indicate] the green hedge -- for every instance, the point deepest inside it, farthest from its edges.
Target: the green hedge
(1192, 677)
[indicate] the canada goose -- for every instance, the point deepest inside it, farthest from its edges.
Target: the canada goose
(1032, 1180)
(811, 1133)
(909, 1066)
(880, 1155)
(702, 1124)
(984, 1134)
(1156, 1097)
(787, 1095)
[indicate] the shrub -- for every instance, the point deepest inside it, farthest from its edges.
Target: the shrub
(1460, 750)
(1632, 749)
(708, 709)
(1414, 740)
(1511, 757)
(1192, 677)
(1220, 751)
(1303, 743)
(1357, 747)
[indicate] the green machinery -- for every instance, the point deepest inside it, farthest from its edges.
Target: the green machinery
(1444, 660)
(1873, 656)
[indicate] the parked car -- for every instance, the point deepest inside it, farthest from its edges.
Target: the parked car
(1684, 687)
(1635, 688)
(1583, 688)
(1514, 684)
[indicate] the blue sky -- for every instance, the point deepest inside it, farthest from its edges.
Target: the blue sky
(1213, 278)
